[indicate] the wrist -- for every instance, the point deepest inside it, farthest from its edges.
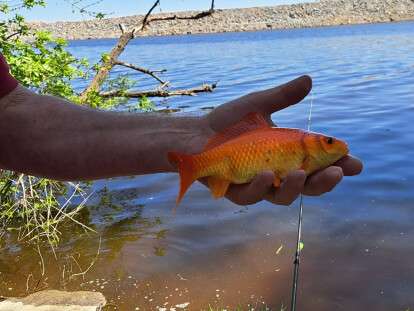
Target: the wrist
(7, 82)
(191, 136)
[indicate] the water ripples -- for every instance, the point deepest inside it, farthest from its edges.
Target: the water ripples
(363, 92)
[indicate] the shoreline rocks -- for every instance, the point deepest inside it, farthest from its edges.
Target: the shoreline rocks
(54, 300)
(322, 13)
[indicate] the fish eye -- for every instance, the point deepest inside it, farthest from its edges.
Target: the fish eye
(330, 140)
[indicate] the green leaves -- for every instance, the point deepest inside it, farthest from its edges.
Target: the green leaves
(145, 104)
(41, 63)
(100, 15)
(105, 57)
(28, 4)
(4, 8)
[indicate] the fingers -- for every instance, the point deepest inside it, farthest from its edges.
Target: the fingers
(252, 192)
(261, 187)
(323, 181)
(292, 186)
(265, 102)
(289, 190)
(350, 165)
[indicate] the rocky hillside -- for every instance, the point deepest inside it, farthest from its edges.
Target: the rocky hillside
(322, 13)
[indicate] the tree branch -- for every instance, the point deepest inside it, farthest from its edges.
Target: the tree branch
(107, 66)
(143, 70)
(123, 41)
(12, 35)
(160, 92)
(176, 17)
(145, 20)
(122, 28)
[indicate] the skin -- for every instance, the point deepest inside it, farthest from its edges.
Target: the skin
(50, 137)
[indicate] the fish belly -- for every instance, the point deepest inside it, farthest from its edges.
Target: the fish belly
(241, 163)
(280, 158)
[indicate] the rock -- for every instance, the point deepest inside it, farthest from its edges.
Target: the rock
(322, 13)
(54, 300)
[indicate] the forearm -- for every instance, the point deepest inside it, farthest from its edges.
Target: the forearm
(50, 137)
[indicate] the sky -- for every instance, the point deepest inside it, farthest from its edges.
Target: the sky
(61, 10)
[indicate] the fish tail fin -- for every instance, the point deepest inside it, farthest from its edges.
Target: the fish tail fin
(185, 164)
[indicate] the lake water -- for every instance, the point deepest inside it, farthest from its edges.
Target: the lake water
(358, 239)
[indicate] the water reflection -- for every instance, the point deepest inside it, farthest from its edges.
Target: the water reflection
(357, 239)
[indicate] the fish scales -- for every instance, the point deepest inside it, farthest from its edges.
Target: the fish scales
(241, 159)
(250, 147)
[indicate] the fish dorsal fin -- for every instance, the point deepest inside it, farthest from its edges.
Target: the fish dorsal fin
(252, 121)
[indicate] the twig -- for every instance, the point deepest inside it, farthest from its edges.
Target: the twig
(212, 5)
(27, 282)
(63, 275)
(12, 35)
(160, 92)
(41, 259)
(143, 70)
(85, 8)
(122, 27)
(78, 208)
(176, 17)
(145, 21)
(74, 259)
(123, 41)
(92, 263)
(68, 201)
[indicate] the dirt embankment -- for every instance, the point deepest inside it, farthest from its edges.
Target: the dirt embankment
(322, 13)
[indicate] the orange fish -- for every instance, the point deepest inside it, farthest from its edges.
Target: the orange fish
(252, 146)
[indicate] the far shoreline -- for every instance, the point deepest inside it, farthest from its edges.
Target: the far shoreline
(248, 31)
(325, 13)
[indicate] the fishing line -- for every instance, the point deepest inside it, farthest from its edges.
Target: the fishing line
(299, 244)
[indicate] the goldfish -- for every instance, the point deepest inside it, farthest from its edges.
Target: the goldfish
(237, 154)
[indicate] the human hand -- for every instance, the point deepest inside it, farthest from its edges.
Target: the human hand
(261, 187)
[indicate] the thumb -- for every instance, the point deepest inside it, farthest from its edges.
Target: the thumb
(265, 102)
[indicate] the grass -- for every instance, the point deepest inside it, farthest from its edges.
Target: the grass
(34, 208)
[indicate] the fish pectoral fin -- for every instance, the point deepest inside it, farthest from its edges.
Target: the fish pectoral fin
(276, 182)
(218, 186)
(305, 163)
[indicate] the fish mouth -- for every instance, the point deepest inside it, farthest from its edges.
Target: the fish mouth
(344, 148)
